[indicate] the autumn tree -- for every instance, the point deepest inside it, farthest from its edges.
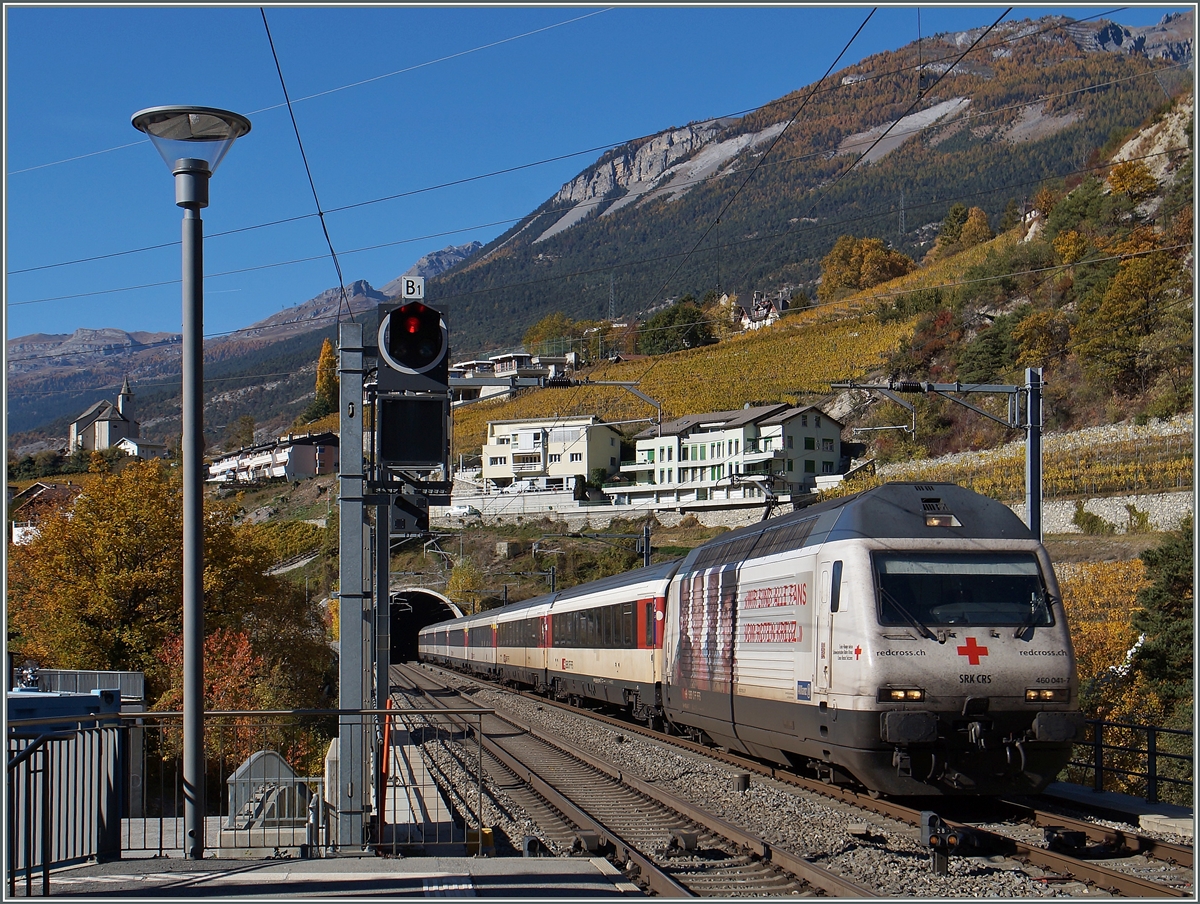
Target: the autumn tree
(100, 587)
(551, 329)
(855, 264)
(1110, 330)
(1133, 179)
(465, 585)
(326, 401)
(976, 230)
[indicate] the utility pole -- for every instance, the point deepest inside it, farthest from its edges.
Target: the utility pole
(1030, 421)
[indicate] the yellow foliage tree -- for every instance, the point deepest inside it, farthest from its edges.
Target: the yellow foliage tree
(1132, 178)
(100, 587)
(465, 585)
(976, 230)
(327, 376)
(1070, 246)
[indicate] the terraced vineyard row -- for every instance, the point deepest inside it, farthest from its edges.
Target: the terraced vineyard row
(800, 355)
(1140, 464)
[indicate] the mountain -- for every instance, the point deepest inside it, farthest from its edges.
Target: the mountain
(753, 204)
(433, 264)
(732, 205)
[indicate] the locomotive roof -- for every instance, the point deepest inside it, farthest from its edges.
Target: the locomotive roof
(891, 510)
(659, 572)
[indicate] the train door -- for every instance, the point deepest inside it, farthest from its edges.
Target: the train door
(827, 607)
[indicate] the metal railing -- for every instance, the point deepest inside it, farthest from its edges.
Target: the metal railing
(110, 786)
(1136, 759)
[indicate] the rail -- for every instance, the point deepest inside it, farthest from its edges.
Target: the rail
(1125, 757)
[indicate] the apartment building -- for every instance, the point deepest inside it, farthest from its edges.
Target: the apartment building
(547, 453)
(723, 455)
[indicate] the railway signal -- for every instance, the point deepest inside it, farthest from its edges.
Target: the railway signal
(413, 387)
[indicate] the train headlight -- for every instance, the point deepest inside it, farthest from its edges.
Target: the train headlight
(901, 695)
(1046, 695)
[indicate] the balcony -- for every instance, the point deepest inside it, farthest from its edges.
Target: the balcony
(639, 465)
(528, 467)
(753, 455)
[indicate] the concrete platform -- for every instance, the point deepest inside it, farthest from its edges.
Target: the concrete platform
(1151, 817)
(347, 877)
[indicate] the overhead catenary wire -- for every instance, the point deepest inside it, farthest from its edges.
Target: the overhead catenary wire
(443, 59)
(829, 224)
(554, 159)
(304, 157)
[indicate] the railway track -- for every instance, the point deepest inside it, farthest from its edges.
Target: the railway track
(665, 843)
(1068, 848)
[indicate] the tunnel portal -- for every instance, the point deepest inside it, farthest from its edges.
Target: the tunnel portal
(412, 610)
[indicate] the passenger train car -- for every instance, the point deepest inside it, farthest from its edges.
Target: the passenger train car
(910, 638)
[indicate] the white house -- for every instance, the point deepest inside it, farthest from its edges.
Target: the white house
(763, 311)
(547, 453)
(293, 457)
(730, 454)
(141, 448)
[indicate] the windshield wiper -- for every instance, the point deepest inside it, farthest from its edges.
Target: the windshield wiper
(921, 627)
(1038, 609)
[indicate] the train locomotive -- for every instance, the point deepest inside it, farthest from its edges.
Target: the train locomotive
(910, 639)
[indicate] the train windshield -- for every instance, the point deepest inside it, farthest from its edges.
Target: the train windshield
(995, 589)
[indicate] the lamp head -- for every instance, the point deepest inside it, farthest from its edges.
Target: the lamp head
(191, 133)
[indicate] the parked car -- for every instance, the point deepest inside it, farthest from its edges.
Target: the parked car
(463, 511)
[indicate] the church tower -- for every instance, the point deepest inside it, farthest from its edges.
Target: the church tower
(125, 401)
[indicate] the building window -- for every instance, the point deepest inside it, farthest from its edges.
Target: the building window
(826, 467)
(683, 453)
(702, 450)
(670, 475)
(660, 475)
(826, 445)
(810, 442)
(789, 464)
(789, 439)
(554, 458)
(804, 420)
(496, 460)
(670, 453)
(612, 440)
(501, 440)
(810, 466)
(576, 456)
(650, 456)
(612, 462)
(816, 420)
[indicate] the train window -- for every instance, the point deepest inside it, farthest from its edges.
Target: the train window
(650, 625)
(627, 625)
(835, 591)
(992, 589)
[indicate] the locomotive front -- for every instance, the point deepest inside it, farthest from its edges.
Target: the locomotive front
(962, 671)
(973, 674)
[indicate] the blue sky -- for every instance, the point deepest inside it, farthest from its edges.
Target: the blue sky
(437, 94)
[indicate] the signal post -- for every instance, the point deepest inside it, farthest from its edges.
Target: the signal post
(401, 396)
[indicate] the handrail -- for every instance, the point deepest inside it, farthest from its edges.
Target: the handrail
(1152, 755)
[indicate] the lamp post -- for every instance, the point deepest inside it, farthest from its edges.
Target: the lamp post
(192, 141)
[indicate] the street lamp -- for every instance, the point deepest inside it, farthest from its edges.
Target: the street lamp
(192, 141)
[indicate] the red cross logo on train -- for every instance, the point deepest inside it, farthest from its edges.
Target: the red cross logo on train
(857, 652)
(972, 651)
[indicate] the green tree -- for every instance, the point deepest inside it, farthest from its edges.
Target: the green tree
(241, 432)
(1011, 217)
(953, 223)
(681, 326)
(1166, 618)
